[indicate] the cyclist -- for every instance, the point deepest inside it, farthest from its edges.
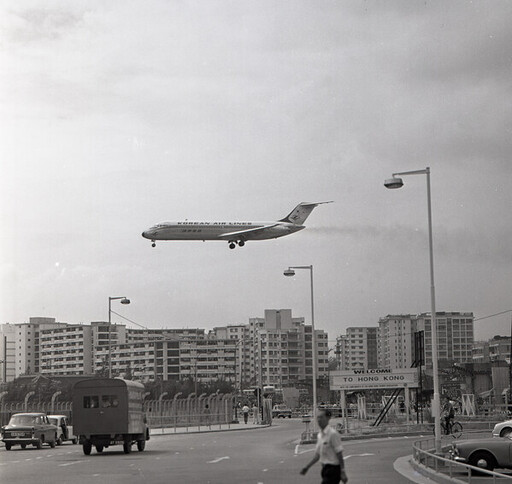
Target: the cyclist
(449, 415)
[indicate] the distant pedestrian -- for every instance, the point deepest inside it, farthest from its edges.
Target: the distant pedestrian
(207, 415)
(255, 414)
(329, 451)
(245, 411)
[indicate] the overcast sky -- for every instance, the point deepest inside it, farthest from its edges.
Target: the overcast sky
(118, 115)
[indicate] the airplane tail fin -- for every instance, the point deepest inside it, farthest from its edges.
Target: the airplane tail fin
(301, 212)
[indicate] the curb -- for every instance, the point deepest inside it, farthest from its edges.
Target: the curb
(208, 431)
(432, 474)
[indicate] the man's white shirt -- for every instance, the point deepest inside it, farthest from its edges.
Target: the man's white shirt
(328, 445)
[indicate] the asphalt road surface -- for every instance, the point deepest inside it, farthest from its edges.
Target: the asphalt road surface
(268, 455)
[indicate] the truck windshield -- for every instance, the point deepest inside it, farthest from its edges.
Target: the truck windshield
(23, 420)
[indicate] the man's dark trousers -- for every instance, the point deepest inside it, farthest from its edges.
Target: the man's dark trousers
(331, 474)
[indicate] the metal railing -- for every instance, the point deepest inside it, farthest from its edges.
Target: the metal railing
(423, 452)
(193, 422)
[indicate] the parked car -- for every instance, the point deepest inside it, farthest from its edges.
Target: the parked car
(281, 411)
(484, 453)
(502, 429)
(64, 430)
(29, 429)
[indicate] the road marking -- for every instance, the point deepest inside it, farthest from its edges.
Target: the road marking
(39, 457)
(281, 462)
(71, 463)
(356, 455)
(265, 470)
(27, 460)
(214, 461)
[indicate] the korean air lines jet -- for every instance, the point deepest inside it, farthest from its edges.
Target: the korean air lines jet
(232, 232)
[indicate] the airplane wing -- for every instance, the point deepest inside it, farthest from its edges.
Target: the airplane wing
(246, 234)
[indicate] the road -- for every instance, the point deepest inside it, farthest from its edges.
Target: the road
(268, 455)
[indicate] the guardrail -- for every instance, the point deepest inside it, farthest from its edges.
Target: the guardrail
(423, 453)
(193, 421)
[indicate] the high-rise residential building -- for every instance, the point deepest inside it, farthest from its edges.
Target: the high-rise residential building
(455, 336)
(396, 341)
(480, 352)
(66, 350)
(7, 352)
(282, 352)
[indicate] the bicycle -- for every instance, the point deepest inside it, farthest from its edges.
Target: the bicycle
(454, 429)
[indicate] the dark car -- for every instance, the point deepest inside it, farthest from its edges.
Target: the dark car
(29, 429)
(484, 453)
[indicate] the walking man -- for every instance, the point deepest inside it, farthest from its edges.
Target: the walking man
(245, 410)
(329, 451)
(255, 414)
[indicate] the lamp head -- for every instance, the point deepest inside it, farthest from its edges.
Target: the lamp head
(394, 183)
(125, 300)
(289, 272)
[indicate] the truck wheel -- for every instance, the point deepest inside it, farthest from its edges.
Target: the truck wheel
(74, 441)
(8, 446)
(23, 446)
(99, 448)
(39, 443)
(141, 445)
(52, 444)
(59, 440)
(87, 447)
(127, 447)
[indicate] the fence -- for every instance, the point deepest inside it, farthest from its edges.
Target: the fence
(423, 453)
(57, 408)
(192, 411)
(215, 409)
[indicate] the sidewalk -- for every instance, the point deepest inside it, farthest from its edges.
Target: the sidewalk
(154, 432)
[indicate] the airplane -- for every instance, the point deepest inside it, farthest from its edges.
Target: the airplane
(232, 232)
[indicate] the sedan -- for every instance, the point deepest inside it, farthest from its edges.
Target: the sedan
(29, 428)
(484, 453)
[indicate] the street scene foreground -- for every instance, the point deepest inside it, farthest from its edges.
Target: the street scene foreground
(267, 455)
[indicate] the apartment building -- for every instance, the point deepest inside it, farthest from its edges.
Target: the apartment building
(455, 336)
(66, 350)
(357, 349)
(396, 341)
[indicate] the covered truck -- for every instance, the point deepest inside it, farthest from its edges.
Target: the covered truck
(109, 411)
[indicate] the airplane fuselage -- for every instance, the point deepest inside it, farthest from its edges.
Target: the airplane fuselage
(191, 230)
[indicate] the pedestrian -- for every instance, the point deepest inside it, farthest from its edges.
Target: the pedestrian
(207, 415)
(255, 414)
(329, 451)
(245, 411)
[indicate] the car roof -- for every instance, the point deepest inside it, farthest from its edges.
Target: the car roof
(57, 416)
(29, 414)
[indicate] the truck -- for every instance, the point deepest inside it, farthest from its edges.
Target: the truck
(109, 411)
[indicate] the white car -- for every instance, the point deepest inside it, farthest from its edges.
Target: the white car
(64, 430)
(502, 429)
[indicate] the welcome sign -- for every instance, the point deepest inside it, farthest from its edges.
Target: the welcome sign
(372, 379)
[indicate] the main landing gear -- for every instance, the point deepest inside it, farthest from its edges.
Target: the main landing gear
(153, 243)
(232, 243)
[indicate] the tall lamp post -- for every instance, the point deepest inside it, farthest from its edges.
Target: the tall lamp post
(396, 182)
(124, 300)
(290, 272)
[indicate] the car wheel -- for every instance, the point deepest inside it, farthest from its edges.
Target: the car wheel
(52, 444)
(74, 441)
(87, 447)
(483, 460)
(7, 446)
(99, 449)
(505, 432)
(39, 443)
(59, 440)
(23, 446)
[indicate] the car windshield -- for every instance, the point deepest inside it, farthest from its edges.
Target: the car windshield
(53, 421)
(23, 420)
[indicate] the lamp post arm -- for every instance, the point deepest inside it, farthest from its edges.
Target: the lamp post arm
(301, 267)
(425, 171)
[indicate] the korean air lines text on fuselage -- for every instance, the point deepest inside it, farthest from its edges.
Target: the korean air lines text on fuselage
(232, 232)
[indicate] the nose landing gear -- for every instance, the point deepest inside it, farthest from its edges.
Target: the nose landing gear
(153, 243)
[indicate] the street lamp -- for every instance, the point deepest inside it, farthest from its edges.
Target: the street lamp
(396, 182)
(123, 300)
(290, 272)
